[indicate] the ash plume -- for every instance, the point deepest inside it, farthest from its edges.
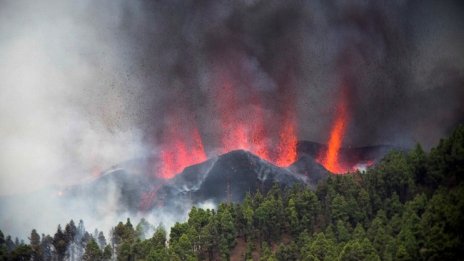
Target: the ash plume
(403, 59)
(87, 85)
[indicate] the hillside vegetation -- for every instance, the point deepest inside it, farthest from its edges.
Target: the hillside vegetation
(410, 206)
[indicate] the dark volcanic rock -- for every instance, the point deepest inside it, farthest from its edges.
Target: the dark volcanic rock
(307, 166)
(227, 177)
(131, 186)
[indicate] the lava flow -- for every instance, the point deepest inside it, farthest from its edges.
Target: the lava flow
(331, 158)
(286, 149)
(182, 146)
(249, 129)
(242, 122)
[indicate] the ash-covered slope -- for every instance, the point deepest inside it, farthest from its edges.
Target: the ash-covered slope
(132, 187)
(118, 189)
(308, 167)
(227, 177)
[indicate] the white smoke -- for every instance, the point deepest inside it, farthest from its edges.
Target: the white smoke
(61, 104)
(64, 108)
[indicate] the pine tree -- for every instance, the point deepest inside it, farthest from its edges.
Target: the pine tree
(10, 245)
(101, 240)
(70, 231)
(3, 247)
(402, 254)
(22, 252)
(292, 217)
(118, 234)
(418, 160)
(183, 248)
(322, 248)
(226, 230)
(343, 233)
(359, 233)
(92, 252)
(142, 228)
(287, 252)
(358, 250)
(60, 244)
(129, 233)
(46, 247)
(35, 245)
(107, 253)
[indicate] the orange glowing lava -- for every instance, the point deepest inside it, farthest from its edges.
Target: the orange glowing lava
(249, 130)
(242, 122)
(287, 143)
(331, 159)
(182, 147)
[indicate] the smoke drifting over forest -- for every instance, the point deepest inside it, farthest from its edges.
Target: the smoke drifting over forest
(89, 84)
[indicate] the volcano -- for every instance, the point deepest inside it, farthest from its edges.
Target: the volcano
(227, 177)
(131, 189)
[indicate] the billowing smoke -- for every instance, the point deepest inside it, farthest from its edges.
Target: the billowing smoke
(66, 107)
(90, 84)
(402, 61)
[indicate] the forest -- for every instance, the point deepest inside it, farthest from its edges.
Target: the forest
(409, 206)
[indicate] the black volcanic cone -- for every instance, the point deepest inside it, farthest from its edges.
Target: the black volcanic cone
(227, 177)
